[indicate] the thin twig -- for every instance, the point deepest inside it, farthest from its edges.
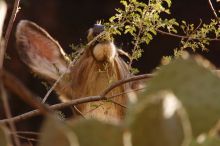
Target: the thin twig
(11, 22)
(121, 82)
(12, 83)
(116, 103)
(8, 114)
(2, 88)
(27, 138)
(26, 133)
(52, 107)
(213, 9)
(78, 101)
(183, 36)
(78, 112)
(126, 92)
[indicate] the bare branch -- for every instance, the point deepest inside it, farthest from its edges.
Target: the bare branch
(11, 22)
(121, 82)
(78, 101)
(26, 138)
(183, 36)
(3, 47)
(78, 111)
(8, 113)
(12, 83)
(27, 133)
(213, 9)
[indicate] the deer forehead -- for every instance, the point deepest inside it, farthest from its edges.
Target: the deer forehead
(104, 51)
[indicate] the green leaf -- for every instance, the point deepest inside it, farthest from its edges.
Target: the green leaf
(95, 133)
(159, 120)
(4, 137)
(56, 133)
(124, 3)
(169, 2)
(195, 86)
(112, 19)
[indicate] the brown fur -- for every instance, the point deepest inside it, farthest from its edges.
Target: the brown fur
(88, 77)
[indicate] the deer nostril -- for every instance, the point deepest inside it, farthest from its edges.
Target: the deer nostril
(97, 29)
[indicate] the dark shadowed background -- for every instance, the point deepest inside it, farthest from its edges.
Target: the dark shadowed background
(68, 21)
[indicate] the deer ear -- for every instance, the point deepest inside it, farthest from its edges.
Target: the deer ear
(40, 51)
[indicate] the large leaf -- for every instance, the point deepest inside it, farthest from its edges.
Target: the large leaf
(56, 133)
(195, 86)
(4, 137)
(159, 120)
(96, 133)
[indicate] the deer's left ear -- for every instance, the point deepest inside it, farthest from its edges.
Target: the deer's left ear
(40, 51)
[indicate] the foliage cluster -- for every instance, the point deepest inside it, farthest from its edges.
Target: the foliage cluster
(144, 21)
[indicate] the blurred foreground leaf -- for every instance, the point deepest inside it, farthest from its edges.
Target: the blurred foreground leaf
(159, 120)
(4, 137)
(206, 141)
(96, 133)
(56, 133)
(196, 87)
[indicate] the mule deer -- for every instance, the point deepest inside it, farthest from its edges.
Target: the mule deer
(99, 65)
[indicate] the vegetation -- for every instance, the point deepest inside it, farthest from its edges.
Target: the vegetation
(179, 106)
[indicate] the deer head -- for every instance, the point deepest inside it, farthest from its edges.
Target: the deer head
(96, 68)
